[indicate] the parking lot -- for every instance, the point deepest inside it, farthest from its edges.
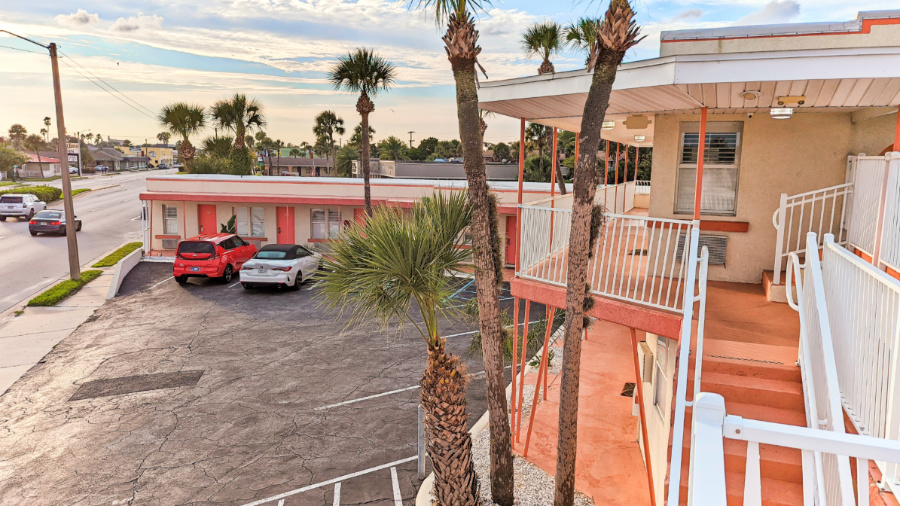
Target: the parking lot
(278, 403)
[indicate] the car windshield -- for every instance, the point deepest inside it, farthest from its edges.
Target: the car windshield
(49, 215)
(272, 255)
(10, 200)
(196, 247)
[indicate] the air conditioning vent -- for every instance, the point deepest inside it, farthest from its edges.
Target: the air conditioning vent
(170, 243)
(717, 245)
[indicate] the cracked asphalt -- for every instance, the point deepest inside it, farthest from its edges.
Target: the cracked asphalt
(248, 430)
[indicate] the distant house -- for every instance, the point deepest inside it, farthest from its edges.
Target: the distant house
(432, 170)
(108, 157)
(32, 167)
(159, 154)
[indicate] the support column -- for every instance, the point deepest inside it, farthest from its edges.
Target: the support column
(519, 199)
(639, 398)
(616, 193)
(606, 178)
(701, 152)
(897, 132)
(637, 160)
(553, 166)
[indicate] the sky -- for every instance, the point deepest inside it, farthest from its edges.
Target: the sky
(156, 52)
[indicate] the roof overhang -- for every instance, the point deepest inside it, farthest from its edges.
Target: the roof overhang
(846, 79)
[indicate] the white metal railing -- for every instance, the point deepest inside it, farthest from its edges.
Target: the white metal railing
(642, 187)
(711, 424)
(828, 474)
(637, 259)
(145, 226)
(864, 313)
(867, 202)
(696, 272)
(889, 253)
(820, 211)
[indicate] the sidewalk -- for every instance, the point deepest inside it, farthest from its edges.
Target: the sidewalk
(26, 338)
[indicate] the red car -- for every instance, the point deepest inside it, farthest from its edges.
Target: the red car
(211, 256)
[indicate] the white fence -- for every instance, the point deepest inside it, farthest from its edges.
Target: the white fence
(822, 211)
(867, 202)
(889, 254)
(711, 424)
(642, 187)
(829, 474)
(637, 259)
(864, 314)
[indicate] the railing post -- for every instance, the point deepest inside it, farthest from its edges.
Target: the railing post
(706, 481)
(779, 239)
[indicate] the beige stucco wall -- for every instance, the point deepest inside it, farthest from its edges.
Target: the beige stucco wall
(658, 423)
(806, 152)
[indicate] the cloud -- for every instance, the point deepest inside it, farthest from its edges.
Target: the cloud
(135, 23)
(776, 11)
(78, 18)
(688, 14)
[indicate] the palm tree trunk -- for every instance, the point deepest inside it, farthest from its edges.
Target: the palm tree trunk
(576, 281)
(559, 180)
(364, 160)
(443, 398)
(488, 264)
(41, 163)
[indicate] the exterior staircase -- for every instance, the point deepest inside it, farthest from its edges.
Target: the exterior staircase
(762, 391)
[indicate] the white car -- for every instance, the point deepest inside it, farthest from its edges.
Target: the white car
(280, 265)
(22, 205)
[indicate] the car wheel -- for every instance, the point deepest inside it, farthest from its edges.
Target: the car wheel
(298, 280)
(226, 275)
(181, 279)
(30, 214)
(78, 227)
(247, 286)
(62, 230)
(33, 233)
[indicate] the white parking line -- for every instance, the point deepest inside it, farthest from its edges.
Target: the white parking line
(398, 499)
(236, 283)
(161, 282)
(392, 392)
(329, 482)
(337, 494)
(476, 331)
(281, 502)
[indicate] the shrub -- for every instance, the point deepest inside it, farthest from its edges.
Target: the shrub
(117, 255)
(60, 291)
(45, 193)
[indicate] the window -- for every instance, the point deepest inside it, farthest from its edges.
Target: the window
(325, 224)
(170, 219)
(721, 161)
(660, 383)
(228, 244)
(250, 221)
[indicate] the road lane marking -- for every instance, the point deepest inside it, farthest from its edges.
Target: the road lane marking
(236, 283)
(337, 494)
(398, 499)
(332, 481)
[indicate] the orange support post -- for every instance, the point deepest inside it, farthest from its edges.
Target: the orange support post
(897, 132)
(553, 167)
(537, 387)
(638, 396)
(522, 368)
(512, 420)
(519, 199)
(701, 152)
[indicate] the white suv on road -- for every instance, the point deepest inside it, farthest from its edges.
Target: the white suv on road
(22, 205)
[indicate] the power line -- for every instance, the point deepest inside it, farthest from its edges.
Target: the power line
(106, 83)
(106, 90)
(23, 50)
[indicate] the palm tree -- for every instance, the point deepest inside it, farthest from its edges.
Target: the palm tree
(328, 124)
(295, 152)
(392, 148)
(543, 39)
(617, 33)
(35, 143)
(185, 120)
(306, 147)
(163, 137)
(239, 115)
(218, 146)
(461, 44)
(377, 271)
(17, 134)
(582, 35)
(46, 129)
(368, 74)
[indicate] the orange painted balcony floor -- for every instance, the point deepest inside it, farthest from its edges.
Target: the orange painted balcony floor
(745, 336)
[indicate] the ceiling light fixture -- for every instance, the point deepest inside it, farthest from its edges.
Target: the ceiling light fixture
(781, 112)
(750, 94)
(639, 138)
(608, 125)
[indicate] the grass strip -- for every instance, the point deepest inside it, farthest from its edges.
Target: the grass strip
(80, 190)
(117, 255)
(62, 290)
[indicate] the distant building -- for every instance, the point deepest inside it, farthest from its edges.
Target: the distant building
(432, 170)
(108, 157)
(294, 166)
(33, 167)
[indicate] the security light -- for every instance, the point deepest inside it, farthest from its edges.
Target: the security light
(781, 112)
(639, 138)
(608, 125)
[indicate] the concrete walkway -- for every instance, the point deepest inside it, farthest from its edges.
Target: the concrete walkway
(25, 339)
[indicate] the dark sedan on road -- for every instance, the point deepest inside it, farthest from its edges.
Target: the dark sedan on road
(50, 221)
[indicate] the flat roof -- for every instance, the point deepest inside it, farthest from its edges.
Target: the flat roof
(775, 30)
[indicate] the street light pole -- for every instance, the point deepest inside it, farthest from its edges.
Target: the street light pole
(71, 241)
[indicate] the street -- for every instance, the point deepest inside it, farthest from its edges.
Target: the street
(110, 213)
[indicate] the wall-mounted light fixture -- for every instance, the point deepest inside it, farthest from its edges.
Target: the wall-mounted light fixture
(781, 112)
(608, 125)
(639, 138)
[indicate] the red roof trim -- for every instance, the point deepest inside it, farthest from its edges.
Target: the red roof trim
(271, 199)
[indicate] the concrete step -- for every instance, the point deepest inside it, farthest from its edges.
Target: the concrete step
(774, 492)
(755, 391)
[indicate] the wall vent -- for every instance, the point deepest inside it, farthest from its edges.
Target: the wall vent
(717, 245)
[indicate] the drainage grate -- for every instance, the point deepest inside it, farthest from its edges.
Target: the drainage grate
(628, 390)
(131, 384)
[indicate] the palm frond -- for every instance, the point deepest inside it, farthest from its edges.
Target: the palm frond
(182, 118)
(442, 9)
(542, 39)
(363, 71)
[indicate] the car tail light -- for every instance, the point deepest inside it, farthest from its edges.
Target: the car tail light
(56, 223)
(32, 222)
(282, 269)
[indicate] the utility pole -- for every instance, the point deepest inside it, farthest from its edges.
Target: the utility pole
(71, 241)
(410, 138)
